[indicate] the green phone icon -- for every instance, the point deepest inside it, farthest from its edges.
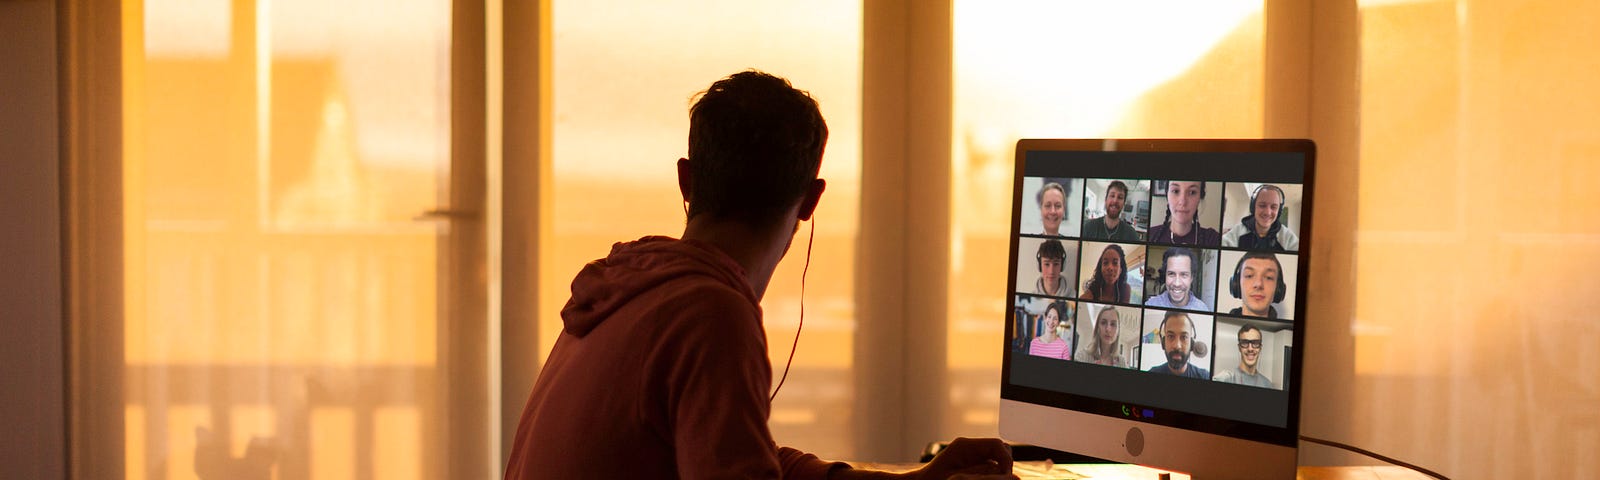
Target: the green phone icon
(1124, 410)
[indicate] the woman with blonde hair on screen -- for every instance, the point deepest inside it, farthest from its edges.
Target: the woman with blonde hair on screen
(1105, 343)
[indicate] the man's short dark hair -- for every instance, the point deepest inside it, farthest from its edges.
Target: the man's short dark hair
(1194, 266)
(1172, 314)
(755, 145)
(1052, 249)
(1118, 185)
(1248, 327)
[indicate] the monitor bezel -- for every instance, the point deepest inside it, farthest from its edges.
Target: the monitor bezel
(1286, 436)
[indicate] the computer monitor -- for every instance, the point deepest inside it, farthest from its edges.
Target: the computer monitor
(1156, 299)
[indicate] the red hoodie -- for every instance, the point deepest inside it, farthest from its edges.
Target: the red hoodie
(660, 372)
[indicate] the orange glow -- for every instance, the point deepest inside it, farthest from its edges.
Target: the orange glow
(278, 279)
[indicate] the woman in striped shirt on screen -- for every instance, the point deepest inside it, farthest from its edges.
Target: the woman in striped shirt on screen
(1049, 343)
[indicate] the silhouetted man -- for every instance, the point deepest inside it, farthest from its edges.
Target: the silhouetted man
(661, 367)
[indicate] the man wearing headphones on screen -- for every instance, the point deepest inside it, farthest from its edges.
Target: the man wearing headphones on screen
(661, 368)
(1258, 281)
(1052, 259)
(1177, 340)
(1263, 228)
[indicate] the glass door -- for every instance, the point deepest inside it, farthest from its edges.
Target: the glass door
(302, 241)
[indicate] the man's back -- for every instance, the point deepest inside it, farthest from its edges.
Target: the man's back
(661, 371)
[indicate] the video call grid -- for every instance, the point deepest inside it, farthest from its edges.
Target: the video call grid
(1212, 274)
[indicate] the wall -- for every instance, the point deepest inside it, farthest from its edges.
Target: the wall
(31, 364)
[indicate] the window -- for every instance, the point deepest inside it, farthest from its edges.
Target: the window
(287, 291)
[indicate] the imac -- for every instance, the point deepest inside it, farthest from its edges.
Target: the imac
(1187, 304)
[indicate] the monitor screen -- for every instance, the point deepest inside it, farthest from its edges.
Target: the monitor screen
(1157, 300)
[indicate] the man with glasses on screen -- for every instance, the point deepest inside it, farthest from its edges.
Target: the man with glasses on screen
(661, 367)
(1177, 340)
(1249, 355)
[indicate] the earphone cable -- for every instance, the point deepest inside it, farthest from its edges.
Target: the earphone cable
(810, 238)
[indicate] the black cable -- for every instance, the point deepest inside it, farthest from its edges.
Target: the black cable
(1370, 453)
(796, 346)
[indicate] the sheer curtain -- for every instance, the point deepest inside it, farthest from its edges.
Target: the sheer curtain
(1477, 237)
(299, 218)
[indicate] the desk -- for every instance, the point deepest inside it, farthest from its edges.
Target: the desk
(1304, 473)
(1359, 473)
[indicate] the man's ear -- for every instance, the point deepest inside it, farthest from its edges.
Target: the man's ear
(684, 180)
(808, 204)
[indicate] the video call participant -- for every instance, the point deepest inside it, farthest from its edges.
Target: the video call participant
(1052, 200)
(1261, 230)
(1177, 340)
(1182, 226)
(1258, 281)
(1105, 345)
(662, 353)
(1052, 257)
(1180, 273)
(1110, 282)
(1249, 354)
(1048, 344)
(1110, 226)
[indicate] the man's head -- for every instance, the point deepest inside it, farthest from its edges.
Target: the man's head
(1258, 280)
(1052, 207)
(755, 148)
(1183, 201)
(1265, 205)
(1116, 197)
(1177, 337)
(1052, 256)
(1178, 266)
(1249, 347)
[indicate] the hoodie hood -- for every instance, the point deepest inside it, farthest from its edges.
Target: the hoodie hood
(635, 268)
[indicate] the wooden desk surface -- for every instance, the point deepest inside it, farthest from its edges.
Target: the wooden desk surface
(1359, 473)
(1303, 473)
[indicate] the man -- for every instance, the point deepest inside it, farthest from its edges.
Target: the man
(1052, 258)
(1179, 272)
(661, 368)
(1052, 199)
(1258, 281)
(1261, 230)
(1110, 226)
(1249, 354)
(1177, 340)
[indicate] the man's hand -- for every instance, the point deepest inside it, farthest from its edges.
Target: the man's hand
(969, 458)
